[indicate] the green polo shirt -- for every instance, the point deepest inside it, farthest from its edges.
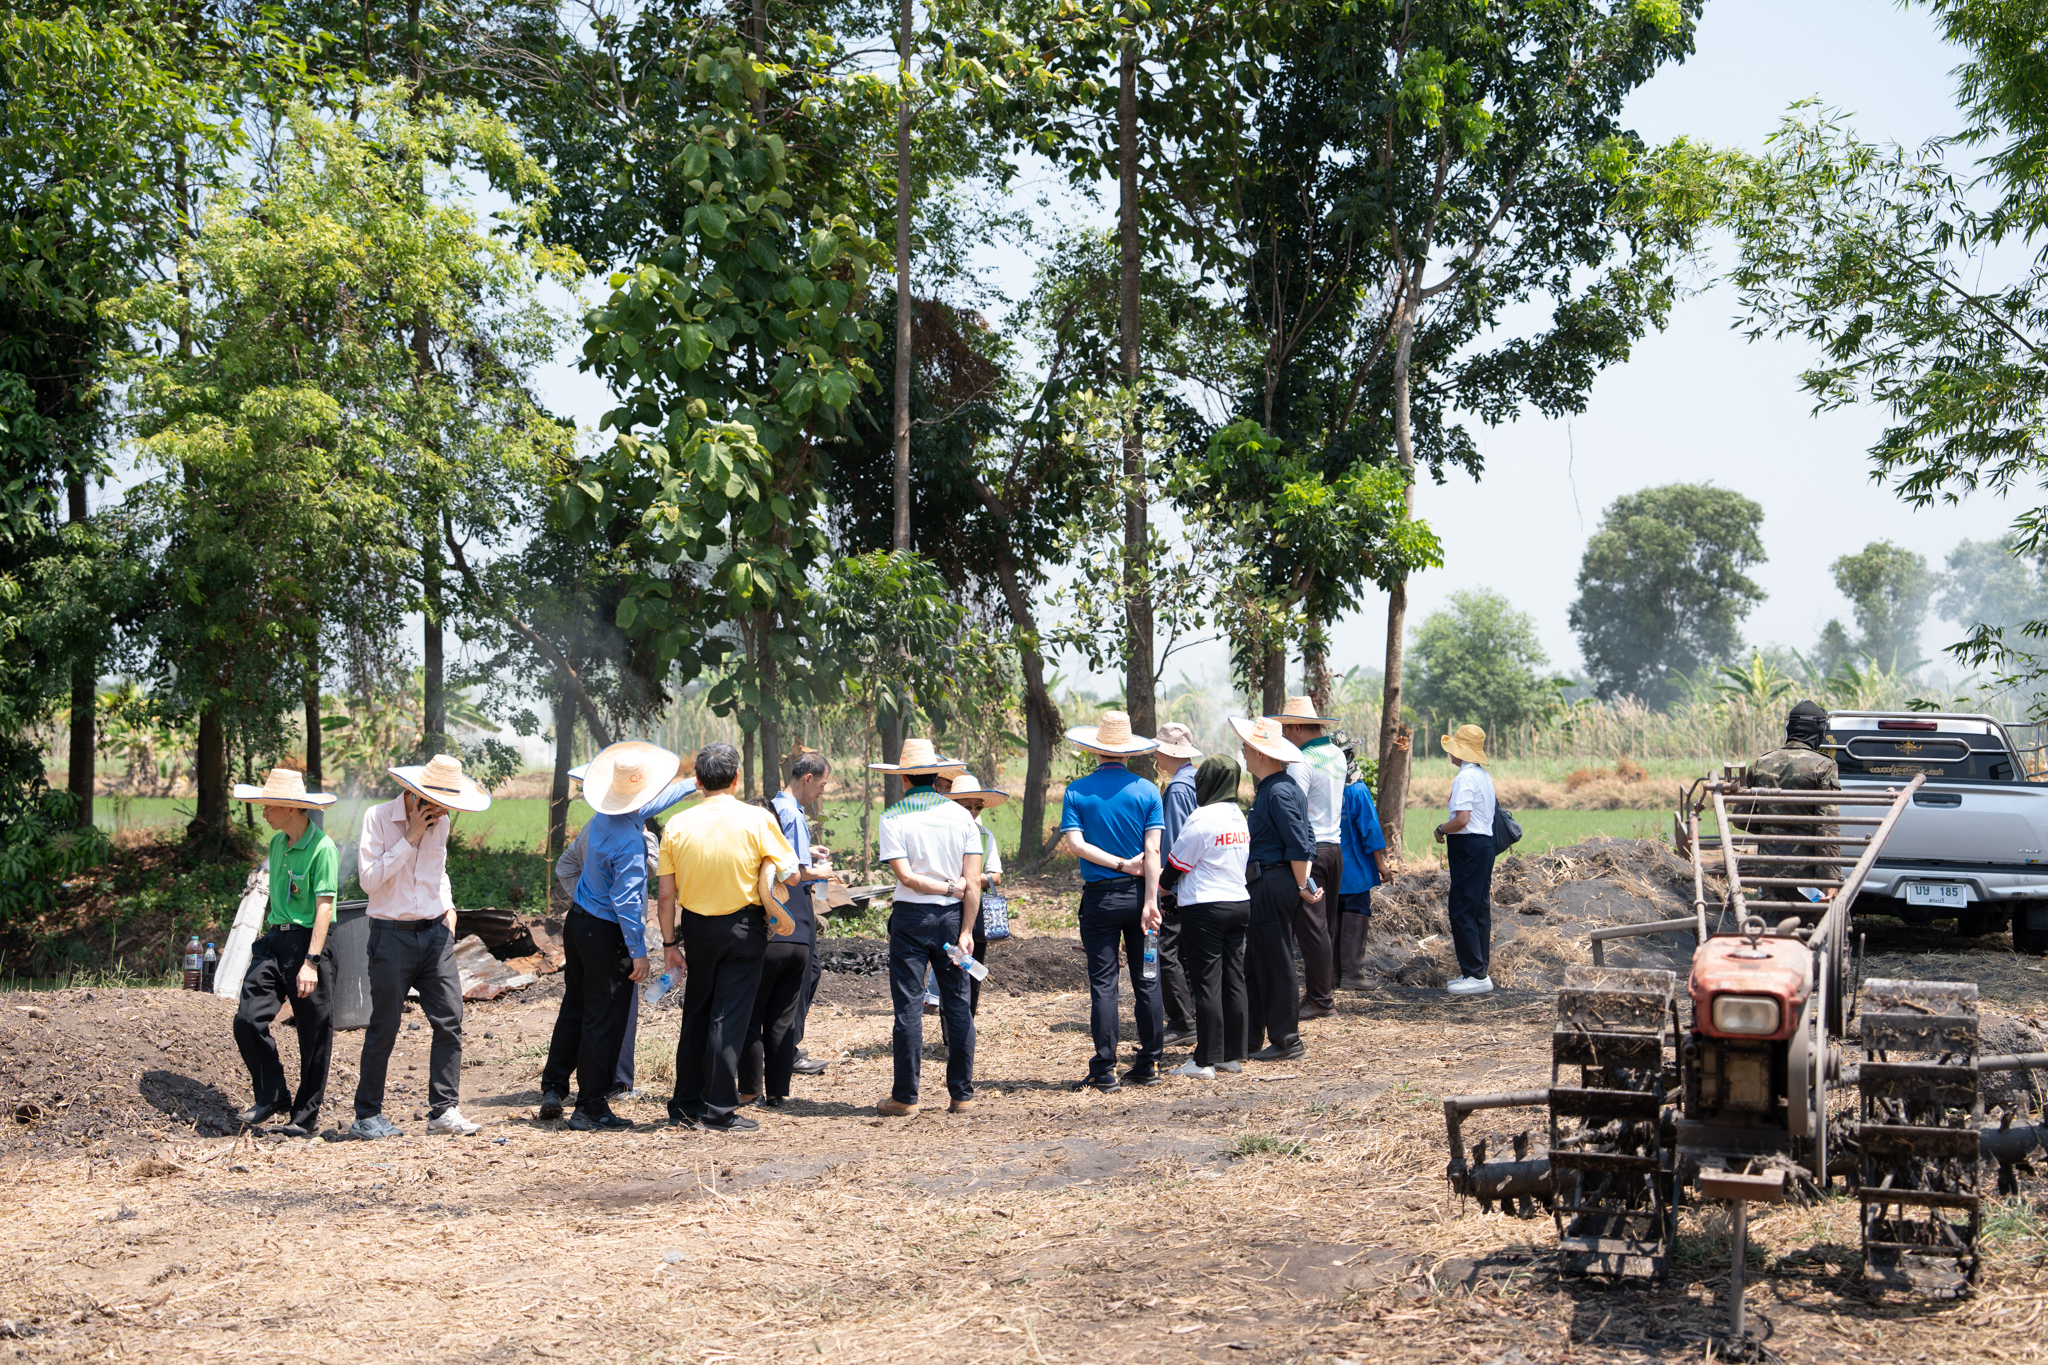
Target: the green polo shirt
(301, 873)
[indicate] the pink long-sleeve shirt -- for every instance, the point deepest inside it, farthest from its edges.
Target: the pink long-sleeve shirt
(401, 880)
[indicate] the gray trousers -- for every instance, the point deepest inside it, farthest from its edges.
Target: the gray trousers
(412, 955)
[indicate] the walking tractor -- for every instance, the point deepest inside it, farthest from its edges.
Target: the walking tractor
(1725, 1096)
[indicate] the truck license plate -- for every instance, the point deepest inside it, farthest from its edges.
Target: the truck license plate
(1946, 895)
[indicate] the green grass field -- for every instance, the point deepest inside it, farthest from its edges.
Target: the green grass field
(1544, 830)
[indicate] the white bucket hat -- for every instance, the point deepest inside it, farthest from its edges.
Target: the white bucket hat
(1264, 735)
(625, 777)
(917, 757)
(440, 781)
(1113, 737)
(284, 787)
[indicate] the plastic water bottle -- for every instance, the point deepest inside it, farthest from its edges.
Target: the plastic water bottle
(192, 960)
(1150, 970)
(655, 987)
(967, 962)
(208, 965)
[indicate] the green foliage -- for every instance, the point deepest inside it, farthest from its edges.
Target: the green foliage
(1477, 662)
(891, 627)
(1662, 587)
(40, 847)
(1760, 682)
(1889, 588)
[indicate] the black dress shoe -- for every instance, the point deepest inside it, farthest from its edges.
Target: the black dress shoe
(297, 1130)
(550, 1104)
(1108, 1085)
(774, 1101)
(1174, 1037)
(256, 1113)
(683, 1118)
(1137, 1077)
(809, 1066)
(598, 1123)
(738, 1123)
(1276, 1053)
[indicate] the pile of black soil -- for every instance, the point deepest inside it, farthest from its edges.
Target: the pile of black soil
(1016, 964)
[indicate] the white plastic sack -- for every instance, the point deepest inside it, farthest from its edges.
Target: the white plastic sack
(235, 954)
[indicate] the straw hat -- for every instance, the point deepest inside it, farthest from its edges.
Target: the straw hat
(1302, 711)
(1112, 737)
(965, 788)
(1467, 742)
(284, 787)
(689, 783)
(919, 756)
(625, 776)
(1264, 735)
(440, 781)
(1177, 741)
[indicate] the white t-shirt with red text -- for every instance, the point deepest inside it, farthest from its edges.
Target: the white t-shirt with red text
(1210, 854)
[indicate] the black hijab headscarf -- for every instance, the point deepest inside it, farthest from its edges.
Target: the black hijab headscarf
(1216, 780)
(1806, 724)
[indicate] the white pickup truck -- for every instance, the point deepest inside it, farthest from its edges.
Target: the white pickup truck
(1971, 845)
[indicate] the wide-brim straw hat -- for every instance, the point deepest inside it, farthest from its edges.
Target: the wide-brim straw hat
(1177, 741)
(1112, 737)
(966, 788)
(1264, 735)
(625, 776)
(440, 781)
(920, 756)
(284, 787)
(1467, 742)
(1302, 711)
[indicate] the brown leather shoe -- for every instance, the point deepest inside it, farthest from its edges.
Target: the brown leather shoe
(960, 1107)
(893, 1108)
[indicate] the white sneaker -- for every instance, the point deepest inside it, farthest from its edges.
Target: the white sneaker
(451, 1122)
(1470, 985)
(1193, 1072)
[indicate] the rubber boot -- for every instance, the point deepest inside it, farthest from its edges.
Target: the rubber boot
(1351, 952)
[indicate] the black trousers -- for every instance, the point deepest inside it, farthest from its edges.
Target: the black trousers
(1271, 1005)
(1471, 907)
(598, 996)
(769, 1059)
(1212, 942)
(722, 956)
(273, 978)
(813, 972)
(1173, 978)
(918, 935)
(412, 955)
(1112, 914)
(1315, 928)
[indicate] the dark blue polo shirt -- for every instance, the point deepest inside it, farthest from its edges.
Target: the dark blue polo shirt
(1278, 823)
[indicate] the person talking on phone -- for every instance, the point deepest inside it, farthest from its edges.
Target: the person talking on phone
(402, 864)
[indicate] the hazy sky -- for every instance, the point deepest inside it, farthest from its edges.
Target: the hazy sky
(1696, 403)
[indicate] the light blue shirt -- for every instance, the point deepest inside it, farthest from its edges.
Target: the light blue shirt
(613, 883)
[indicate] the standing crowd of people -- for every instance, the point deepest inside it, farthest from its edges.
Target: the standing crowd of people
(1205, 903)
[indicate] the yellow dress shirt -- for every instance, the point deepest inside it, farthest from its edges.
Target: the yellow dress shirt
(715, 849)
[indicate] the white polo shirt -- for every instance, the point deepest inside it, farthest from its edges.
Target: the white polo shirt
(934, 834)
(1472, 790)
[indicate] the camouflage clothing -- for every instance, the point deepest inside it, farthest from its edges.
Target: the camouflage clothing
(1795, 767)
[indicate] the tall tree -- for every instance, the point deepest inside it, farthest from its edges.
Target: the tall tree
(1477, 662)
(1888, 588)
(1663, 587)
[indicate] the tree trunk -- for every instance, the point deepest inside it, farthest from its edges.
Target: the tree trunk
(1393, 793)
(899, 537)
(558, 790)
(1041, 714)
(434, 701)
(209, 826)
(1315, 665)
(747, 766)
(1273, 681)
(309, 690)
(892, 730)
(1139, 700)
(769, 719)
(85, 695)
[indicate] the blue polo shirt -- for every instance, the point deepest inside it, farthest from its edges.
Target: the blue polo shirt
(1179, 797)
(1362, 837)
(1112, 807)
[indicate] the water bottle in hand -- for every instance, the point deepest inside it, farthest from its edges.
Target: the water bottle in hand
(655, 987)
(967, 962)
(1150, 970)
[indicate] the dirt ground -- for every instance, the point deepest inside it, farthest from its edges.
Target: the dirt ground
(1294, 1213)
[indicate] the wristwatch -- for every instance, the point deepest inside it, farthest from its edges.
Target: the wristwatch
(314, 958)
